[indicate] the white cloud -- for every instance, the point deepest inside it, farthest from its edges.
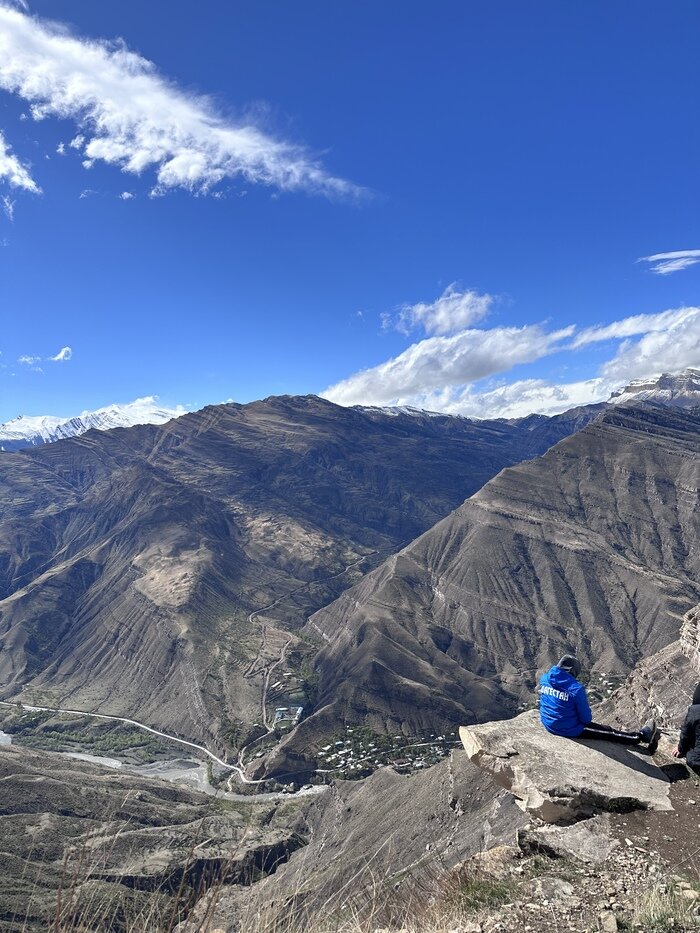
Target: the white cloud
(441, 373)
(86, 193)
(65, 353)
(676, 261)
(671, 350)
(130, 116)
(518, 399)
(453, 311)
(633, 326)
(12, 170)
(8, 206)
(439, 363)
(127, 196)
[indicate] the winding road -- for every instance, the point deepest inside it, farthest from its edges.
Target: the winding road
(266, 669)
(137, 725)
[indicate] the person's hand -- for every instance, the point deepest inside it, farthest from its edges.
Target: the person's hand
(677, 754)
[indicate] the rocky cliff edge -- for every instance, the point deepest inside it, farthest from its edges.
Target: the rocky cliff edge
(563, 780)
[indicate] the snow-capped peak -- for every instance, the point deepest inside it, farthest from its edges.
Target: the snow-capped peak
(397, 410)
(30, 431)
(677, 390)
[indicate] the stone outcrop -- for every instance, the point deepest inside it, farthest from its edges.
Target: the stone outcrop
(563, 780)
(690, 637)
(661, 685)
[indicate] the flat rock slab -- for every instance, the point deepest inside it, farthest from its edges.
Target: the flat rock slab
(565, 780)
(590, 841)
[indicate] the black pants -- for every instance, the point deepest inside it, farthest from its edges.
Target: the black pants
(595, 731)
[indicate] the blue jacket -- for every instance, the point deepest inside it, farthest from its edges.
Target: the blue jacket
(564, 708)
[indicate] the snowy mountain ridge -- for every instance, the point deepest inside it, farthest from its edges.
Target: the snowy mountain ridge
(31, 431)
(677, 390)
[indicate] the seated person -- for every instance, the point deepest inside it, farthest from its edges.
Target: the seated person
(564, 709)
(689, 742)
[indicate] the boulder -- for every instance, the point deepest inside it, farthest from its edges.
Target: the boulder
(565, 780)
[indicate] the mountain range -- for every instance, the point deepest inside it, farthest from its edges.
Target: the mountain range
(682, 390)
(163, 572)
(196, 575)
(31, 431)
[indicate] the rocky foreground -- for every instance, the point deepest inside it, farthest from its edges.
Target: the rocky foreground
(459, 848)
(515, 831)
(611, 843)
(524, 832)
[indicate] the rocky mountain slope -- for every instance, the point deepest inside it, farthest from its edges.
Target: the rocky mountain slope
(132, 565)
(31, 431)
(161, 572)
(593, 547)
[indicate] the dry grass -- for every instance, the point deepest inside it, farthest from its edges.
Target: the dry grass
(434, 902)
(431, 901)
(664, 909)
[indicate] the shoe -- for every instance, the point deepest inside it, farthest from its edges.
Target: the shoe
(648, 731)
(654, 742)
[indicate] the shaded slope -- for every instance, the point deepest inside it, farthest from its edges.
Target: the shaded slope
(593, 547)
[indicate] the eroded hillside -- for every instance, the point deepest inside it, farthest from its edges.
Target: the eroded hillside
(592, 547)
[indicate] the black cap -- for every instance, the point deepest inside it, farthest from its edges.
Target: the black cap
(571, 664)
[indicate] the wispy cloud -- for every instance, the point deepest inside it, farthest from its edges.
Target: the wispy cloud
(12, 171)
(666, 263)
(8, 206)
(633, 326)
(127, 196)
(64, 354)
(130, 116)
(32, 362)
(675, 348)
(671, 349)
(453, 311)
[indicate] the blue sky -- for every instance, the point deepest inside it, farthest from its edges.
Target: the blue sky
(435, 204)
